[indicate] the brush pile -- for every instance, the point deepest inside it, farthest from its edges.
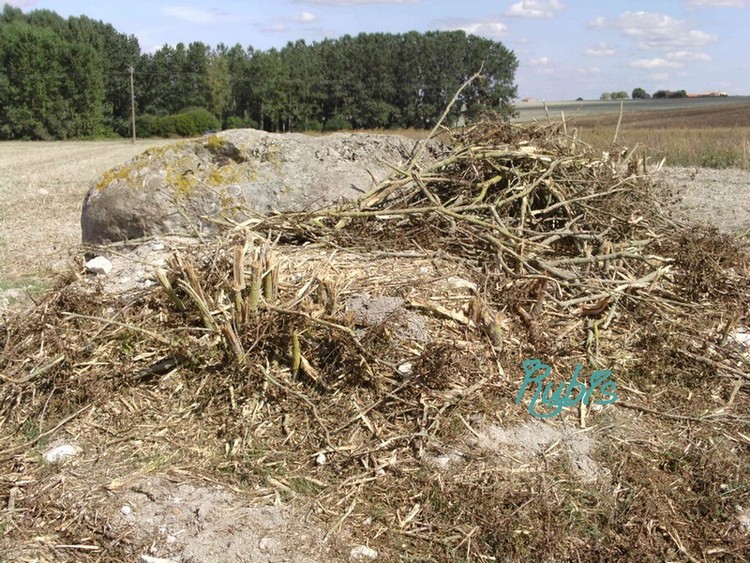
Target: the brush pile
(328, 357)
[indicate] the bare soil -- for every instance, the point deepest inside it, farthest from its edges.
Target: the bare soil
(714, 197)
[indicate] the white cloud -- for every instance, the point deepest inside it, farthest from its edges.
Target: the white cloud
(21, 3)
(541, 61)
(485, 29)
(601, 50)
(659, 77)
(599, 21)
(720, 3)
(688, 56)
(192, 15)
(654, 31)
(273, 27)
(534, 9)
(305, 17)
(488, 28)
(654, 63)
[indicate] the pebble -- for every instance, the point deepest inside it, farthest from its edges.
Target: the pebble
(99, 265)
(126, 510)
(203, 510)
(362, 552)
(268, 545)
(60, 453)
(321, 459)
(406, 368)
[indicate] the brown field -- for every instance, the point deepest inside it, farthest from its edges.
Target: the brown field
(42, 186)
(718, 137)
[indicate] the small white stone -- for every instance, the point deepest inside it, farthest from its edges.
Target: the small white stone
(268, 545)
(442, 461)
(742, 337)
(461, 283)
(170, 539)
(363, 552)
(149, 559)
(60, 453)
(321, 459)
(43, 192)
(126, 510)
(99, 265)
(405, 368)
(157, 246)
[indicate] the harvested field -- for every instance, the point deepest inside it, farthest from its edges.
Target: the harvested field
(41, 187)
(718, 138)
(346, 379)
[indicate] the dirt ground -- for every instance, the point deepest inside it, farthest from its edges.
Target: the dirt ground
(42, 186)
(715, 197)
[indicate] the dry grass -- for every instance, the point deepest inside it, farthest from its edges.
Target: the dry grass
(246, 364)
(714, 138)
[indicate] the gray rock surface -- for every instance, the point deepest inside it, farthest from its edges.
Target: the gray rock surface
(183, 187)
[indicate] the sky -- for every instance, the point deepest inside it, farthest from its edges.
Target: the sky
(566, 49)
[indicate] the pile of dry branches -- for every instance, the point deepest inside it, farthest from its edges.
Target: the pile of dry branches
(560, 254)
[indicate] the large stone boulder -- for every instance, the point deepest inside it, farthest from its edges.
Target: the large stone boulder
(185, 187)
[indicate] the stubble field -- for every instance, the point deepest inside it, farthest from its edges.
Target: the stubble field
(42, 186)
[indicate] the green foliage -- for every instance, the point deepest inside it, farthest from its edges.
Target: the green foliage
(660, 94)
(51, 88)
(313, 125)
(622, 95)
(640, 94)
(337, 124)
(63, 78)
(145, 125)
(191, 122)
(237, 122)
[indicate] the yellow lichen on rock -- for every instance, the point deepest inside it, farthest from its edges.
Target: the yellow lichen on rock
(119, 173)
(214, 142)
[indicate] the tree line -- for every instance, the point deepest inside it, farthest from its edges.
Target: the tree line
(63, 78)
(641, 94)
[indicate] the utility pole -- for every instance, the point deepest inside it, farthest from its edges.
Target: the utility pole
(132, 100)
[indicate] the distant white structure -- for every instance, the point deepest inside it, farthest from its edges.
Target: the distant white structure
(709, 95)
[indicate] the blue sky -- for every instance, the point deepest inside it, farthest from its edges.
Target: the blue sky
(565, 48)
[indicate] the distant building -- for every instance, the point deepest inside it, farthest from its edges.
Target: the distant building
(709, 95)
